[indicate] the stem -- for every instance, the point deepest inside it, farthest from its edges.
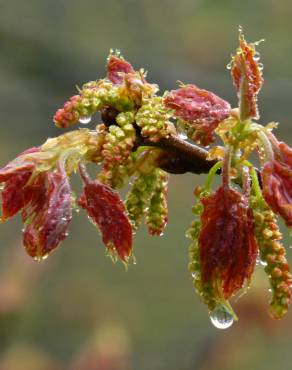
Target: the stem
(226, 168)
(246, 181)
(83, 173)
(211, 174)
(255, 183)
(267, 146)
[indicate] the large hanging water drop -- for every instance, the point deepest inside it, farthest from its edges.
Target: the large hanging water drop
(221, 317)
(85, 119)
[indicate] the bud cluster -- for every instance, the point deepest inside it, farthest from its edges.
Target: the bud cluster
(116, 151)
(153, 119)
(93, 96)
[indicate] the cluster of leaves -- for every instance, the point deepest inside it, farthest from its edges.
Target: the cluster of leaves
(234, 225)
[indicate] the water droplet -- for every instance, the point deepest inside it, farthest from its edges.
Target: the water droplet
(85, 120)
(221, 317)
(40, 258)
(229, 65)
(259, 261)
(182, 135)
(256, 56)
(194, 274)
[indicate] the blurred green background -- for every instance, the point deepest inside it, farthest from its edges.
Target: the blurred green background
(76, 310)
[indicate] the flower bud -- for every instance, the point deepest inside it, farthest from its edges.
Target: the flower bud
(153, 118)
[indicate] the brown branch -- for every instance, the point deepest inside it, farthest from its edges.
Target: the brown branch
(180, 156)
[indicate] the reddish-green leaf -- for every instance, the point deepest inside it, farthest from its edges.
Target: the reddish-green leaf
(108, 212)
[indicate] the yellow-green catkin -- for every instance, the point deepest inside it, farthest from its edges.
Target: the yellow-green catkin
(157, 214)
(138, 199)
(205, 291)
(272, 255)
(109, 94)
(153, 119)
(91, 98)
(116, 151)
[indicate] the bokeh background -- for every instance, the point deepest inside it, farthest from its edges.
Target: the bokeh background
(77, 310)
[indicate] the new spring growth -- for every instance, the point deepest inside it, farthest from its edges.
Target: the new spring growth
(142, 137)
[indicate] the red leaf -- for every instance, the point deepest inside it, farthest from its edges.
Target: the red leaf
(116, 67)
(277, 189)
(22, 163)
(13, 194)
(228, 247)
(247, 78)
(48, 215)
(108, 212)
(16, 175)
(277, 180)
(200, 107)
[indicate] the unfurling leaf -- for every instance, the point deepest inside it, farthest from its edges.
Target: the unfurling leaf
(116, 68)
(106, 209)
(48, 215)
(15, 176)
(246, 72)
(13, 194)
(277, 179)
(277, 189)
(201, 109)
(227, 244)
